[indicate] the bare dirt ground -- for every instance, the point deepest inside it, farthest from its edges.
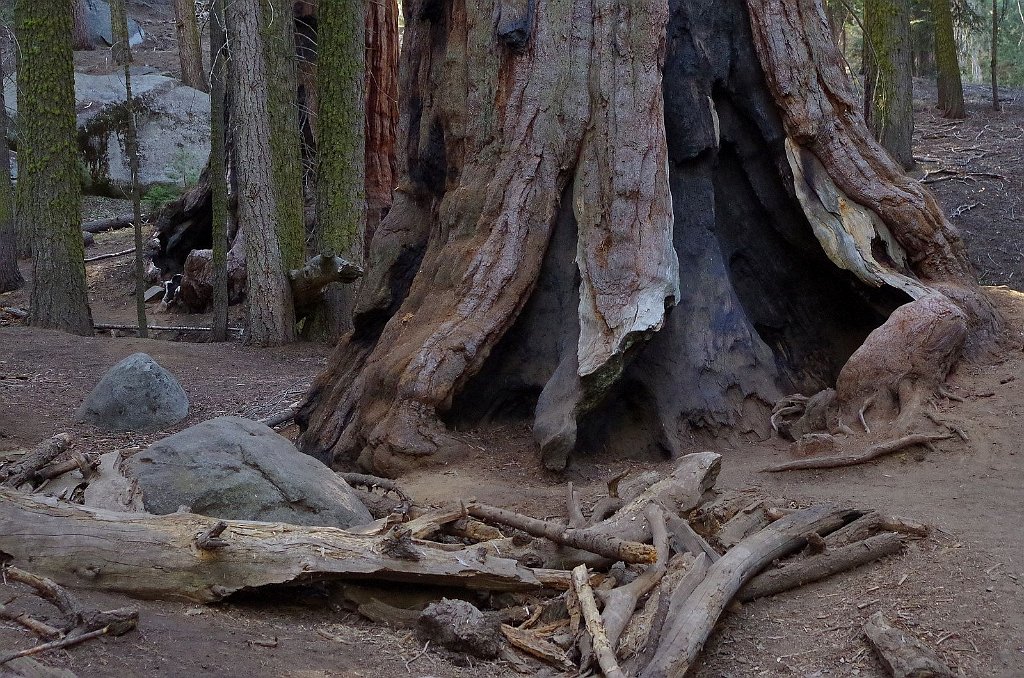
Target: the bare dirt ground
(962, 590)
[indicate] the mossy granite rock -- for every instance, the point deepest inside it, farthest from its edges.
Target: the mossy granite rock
(235, 468)
(135, 395)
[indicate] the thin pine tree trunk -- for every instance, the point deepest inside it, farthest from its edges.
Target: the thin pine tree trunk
(341, 191)
(218, 171)
(270, 309)
(80, 29)
(888, 84)
(996, 106)
(119, 28)
(10, 276)
(951, 88)
(49, 195)
(190, 51)
(285, 144)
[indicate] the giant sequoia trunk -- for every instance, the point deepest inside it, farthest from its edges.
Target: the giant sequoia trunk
(639, 225)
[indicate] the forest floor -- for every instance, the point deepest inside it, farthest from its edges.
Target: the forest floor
(962, 589)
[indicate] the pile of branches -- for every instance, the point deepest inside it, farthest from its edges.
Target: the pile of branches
(634, 586)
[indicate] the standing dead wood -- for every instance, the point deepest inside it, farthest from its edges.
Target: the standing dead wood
(902, 654)
(690, 626)
(873, 452)
(801, 572)
(83, 547)
(585, 540)
(45, 453)
(603, 649)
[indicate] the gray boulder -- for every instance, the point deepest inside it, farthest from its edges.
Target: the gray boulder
(235, 468)
(135, 395)
(173, 126)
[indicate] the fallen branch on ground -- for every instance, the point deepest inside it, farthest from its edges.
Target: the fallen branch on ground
(111, 255)
(592, 618)
(902, 654)
(801, 572)
(873, 452)
(112, 224)
(160, 328)
(25, 470)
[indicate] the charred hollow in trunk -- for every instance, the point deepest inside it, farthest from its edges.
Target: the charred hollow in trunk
(790, 241)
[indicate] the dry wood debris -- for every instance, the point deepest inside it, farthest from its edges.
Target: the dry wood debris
(681, 556)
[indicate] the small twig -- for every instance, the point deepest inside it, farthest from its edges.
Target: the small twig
(419, 654)
(101, 257)
(56, 644)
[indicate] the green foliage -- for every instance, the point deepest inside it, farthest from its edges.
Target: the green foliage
(181, 175)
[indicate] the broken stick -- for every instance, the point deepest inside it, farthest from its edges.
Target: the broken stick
(592, 618)
(873, 452)
(46, 452)
(585, 540)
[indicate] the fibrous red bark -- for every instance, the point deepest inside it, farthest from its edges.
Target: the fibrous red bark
(640, 223)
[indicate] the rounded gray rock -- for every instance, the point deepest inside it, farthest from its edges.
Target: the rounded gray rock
(239, 469)
(135, 395)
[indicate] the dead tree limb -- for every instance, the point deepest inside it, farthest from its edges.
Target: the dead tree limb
(160, 328)
(58, 644)
(592, 618)
(620, 602)
(873, 452)
(690, 626)
(585, 540)
(86, 548)
(319, 272)
(112, 224)
(872, 523)
(801, 572)
(902, 654)
(111, 255)
(41, 629)
(687, 540)
(26, 469)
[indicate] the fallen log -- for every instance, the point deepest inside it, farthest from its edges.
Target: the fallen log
(871, 524)
(801, 572)
(873, 452)
(111, 255)
(690, 626)
(585, 540)
(25, 470)
(112, 224)
(161, 328)
(902, 654)
(156, 556)
(687, 540)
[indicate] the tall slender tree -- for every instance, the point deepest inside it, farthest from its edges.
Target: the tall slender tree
(10, 276)
(218, 170)
(951, 88)
(285, 143)
(270, 309)
(341, 192)
(80, 38)
(123, 55)
(996, 106)
(190, 51)
(888, 81)
(48, 190)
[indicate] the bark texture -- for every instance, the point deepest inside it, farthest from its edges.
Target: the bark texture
(639, 227)
(271, 316)
(218, 171)
(79, 27)
(951, 88)
(48, 191)
(190, 51)
(10, 275)
(888, 78)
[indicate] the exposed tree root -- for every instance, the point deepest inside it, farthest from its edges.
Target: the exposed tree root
(873, 452)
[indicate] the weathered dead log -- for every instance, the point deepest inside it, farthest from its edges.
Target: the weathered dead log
(798, 573)
(47, 451)
(873, 452)
(690, 627)
(873, 523)
(902, 654)
(319, 272)
(603, 649)
(585, 540)
(85, 547)
(536, 645)
(112, 224)
(687, 540)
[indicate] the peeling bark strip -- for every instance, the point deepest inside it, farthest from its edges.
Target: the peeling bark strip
(621, 196)
(804, 71)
